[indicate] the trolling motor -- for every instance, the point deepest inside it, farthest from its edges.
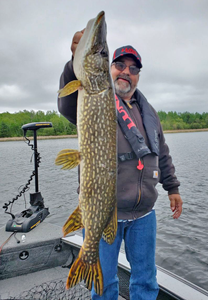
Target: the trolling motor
(36, 213)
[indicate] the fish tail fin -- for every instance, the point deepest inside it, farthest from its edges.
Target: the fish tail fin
(69, 88)
(69, 158)
(83, 270)
(110, 230)
(74, 222)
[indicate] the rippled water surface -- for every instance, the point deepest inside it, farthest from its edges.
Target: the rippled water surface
(182, 245)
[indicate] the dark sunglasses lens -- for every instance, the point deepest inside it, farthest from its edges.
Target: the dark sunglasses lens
(120, 66)
(134, 70)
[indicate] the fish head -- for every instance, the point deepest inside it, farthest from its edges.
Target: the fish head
(91, 61)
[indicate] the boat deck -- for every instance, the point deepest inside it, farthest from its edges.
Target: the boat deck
(41, 285)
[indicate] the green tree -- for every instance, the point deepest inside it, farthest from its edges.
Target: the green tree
(4, 130)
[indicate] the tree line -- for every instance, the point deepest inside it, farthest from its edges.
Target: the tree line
(176, 121)
(11, 123)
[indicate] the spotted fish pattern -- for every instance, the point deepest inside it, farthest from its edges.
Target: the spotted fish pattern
(97, 155)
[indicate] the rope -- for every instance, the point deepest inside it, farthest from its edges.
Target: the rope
(7, 241)
(26, 187)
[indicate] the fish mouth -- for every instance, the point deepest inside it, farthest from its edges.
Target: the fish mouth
(99, 17)
(92, 42)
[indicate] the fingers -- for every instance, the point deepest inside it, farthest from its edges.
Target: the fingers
(176, 205)
(75, 41)
(177, 212)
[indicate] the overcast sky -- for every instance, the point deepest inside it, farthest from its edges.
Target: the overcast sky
(170, 35)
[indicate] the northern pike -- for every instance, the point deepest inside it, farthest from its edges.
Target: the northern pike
(97, 154)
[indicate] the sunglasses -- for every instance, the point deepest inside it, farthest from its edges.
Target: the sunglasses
(121, 66)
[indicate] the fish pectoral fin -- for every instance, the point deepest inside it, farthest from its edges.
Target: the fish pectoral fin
(68, 158)
(83, 270)
(110, 231)
(69, 88)
(74, 222)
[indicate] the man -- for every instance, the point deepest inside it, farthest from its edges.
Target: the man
(143, 161)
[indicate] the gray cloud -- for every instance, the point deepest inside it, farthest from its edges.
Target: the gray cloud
(171, 37)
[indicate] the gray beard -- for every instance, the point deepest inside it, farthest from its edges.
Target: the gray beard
(124, 90)
(120, 90)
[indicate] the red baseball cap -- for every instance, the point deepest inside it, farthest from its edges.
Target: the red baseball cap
(130, 51)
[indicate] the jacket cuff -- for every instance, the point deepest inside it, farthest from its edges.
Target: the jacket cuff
(173, 191)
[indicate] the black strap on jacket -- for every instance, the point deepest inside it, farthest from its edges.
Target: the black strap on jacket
(150, 121)
(126, 156)
(132, 133)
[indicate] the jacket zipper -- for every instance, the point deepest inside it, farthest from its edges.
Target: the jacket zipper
(140, 185)
(140, 166)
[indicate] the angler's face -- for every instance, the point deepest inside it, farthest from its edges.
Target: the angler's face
(125, 83)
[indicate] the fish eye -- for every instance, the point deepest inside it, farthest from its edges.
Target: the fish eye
(104, 53)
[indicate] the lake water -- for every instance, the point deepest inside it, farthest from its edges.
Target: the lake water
(182, 245)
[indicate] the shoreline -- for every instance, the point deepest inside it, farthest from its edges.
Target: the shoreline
(75, 136)
(20, 138)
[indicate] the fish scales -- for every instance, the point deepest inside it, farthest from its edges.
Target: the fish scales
(97, 155)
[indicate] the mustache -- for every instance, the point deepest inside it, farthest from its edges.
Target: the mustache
(123, 76)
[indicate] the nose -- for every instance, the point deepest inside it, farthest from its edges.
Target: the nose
(126, 71)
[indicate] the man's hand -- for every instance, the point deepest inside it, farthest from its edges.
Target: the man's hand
(176, 205)
(75, 40)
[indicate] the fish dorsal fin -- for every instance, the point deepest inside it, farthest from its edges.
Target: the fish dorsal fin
(109, 232)
(68, 158)
(69, 88)
(74, 222)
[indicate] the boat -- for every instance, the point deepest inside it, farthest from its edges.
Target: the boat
(35, 258)
(35, 265)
